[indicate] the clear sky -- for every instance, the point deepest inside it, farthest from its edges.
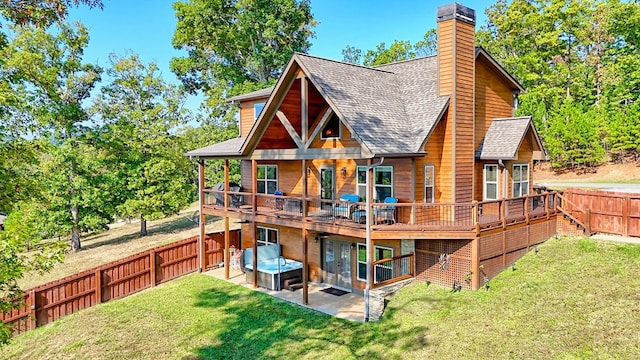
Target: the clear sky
(146, 27)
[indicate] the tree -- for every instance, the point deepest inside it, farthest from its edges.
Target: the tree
(398, 51)
(48, 69)
(142, 115)
(22, 250)
(237, 45)
(41, 13)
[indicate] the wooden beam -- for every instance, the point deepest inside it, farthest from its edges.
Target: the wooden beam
(226, 183)
(227, 257)
(324, 116)
(202, 216)
(305, 206)
(254, 185)
(292, 132)
(304, 107)
(255, 255)
(305, 266)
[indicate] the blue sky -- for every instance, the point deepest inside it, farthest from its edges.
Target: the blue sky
(146, 27)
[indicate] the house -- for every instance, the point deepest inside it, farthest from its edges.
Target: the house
(367, 176)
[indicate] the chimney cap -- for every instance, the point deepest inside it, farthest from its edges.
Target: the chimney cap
(456, 11)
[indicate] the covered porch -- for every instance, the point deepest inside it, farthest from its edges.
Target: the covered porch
(348, 306)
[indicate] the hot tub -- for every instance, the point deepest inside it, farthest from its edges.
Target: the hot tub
(273, 272)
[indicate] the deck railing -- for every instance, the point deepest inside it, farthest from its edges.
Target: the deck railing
(390, 270)
(476, 216)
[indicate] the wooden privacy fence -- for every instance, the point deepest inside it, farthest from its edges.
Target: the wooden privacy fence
(608, 212)
(48, 302)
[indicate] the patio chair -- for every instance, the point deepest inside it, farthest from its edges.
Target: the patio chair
(346, 206)
(386, 214)
(276, 203)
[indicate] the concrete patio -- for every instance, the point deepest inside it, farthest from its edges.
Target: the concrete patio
(348, 306)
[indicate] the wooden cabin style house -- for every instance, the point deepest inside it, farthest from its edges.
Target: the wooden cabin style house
(368, 176)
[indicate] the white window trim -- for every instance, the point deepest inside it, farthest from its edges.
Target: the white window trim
(363, 277)
(267, 230)
(513, 182)
(266, 188)
(375, 193)
(339, 136)
(256, 114)
(433, 185)
(496, 182)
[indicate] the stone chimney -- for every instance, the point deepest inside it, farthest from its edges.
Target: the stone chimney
(456, 78)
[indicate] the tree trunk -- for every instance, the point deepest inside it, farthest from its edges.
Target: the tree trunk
(143, 226)
(75, 230)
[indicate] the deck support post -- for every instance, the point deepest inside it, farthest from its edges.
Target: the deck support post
(254, 261)
(475, 263)
(201, 221)
(368, 242)
(227, 257)
(305, 266)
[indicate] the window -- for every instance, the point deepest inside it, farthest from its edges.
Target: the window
(382, 182)
(520, 179)
(382, 271)
(491, 182)
(429, 183)
(257, 109)
(266, 236)
(331, 129)
(267, 179)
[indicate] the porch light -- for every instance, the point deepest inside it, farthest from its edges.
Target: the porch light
(344, 172)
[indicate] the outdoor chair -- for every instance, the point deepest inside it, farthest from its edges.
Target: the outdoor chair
(386, 214)
(276, 203)
(381, 214)
(346, 206)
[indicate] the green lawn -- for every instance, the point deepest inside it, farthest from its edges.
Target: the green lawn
(575, 299)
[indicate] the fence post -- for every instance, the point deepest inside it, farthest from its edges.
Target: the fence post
(98, 276)
(152, 267)
(626, 205)
(587, 222)
(32, 310)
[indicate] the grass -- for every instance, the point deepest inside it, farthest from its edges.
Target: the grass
(122, 240)
(575, 299)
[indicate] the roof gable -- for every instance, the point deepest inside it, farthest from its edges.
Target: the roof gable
(504, 137)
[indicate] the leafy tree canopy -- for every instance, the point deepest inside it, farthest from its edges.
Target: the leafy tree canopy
(233, 43)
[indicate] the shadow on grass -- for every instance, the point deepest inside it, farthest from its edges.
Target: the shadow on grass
(256, 325)
(167, 227)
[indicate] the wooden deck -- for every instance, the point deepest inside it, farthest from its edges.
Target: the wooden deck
(400, 221)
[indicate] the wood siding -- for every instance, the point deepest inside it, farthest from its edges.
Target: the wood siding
(493, 99)
(456, 68)
(247, 116)
(437, 154)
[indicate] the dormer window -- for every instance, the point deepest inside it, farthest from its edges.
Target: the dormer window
(332, 129)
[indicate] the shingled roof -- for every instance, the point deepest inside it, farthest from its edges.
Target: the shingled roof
(231, 147)
(262, 93)
(504, 138)
(375, 103)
